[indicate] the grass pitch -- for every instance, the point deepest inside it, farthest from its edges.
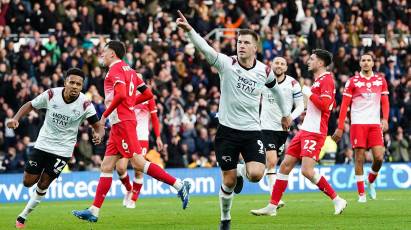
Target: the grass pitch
(392, 210)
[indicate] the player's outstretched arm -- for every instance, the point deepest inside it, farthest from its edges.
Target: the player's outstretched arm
(23, 111)
(197, 40)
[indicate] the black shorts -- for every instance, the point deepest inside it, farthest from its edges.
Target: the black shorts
(229, 143)
(50, 163)
(275, 140)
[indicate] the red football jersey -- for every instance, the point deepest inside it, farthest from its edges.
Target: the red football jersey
(121, 73)
(366, 98)
(315, 120)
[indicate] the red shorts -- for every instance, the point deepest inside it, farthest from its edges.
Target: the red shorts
(306, 144)
(366, 136)
(123, 140)
(144, 147)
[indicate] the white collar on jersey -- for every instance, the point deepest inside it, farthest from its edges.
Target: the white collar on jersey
(114, 62)
(362, 75)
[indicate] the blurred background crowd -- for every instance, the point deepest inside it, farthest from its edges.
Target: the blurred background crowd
(40, 41)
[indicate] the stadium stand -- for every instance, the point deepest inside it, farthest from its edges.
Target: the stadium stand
(38, 42)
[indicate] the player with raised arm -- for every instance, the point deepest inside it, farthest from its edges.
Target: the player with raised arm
(120, 86)
(274, 137)
(243, 79)
(307, 144)
(145, 112)
(66, 109)
(365, 94)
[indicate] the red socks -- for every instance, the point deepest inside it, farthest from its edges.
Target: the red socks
(324, 186)
(103, 187)
(372, 176)
(136, 190)
(279, 187)
(126, 182)
(158, 173)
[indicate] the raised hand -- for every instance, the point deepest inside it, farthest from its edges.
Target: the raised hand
(12, 124)
(183, 23)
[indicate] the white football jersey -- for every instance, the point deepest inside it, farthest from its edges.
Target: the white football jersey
(58, 135)
(270, 111)
(241, 91)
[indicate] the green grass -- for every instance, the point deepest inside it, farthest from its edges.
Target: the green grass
(391, 211)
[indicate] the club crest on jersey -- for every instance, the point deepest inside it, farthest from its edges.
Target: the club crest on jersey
(76, 112)
(368, 84)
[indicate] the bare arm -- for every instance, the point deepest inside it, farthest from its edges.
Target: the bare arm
(23, 111)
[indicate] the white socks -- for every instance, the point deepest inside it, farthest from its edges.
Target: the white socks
(242, 170)
(94, 210)
(178, 185)
(226, 196)
(271, 176)
(35, 200)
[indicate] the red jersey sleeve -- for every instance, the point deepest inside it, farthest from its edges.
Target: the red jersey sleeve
(117, 75)
(384, 89)
(327, 88)
(349, 88)
(152, 107)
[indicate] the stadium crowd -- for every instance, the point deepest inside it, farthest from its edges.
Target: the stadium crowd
(186, 87)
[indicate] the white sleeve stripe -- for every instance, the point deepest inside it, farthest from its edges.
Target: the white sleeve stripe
(154, 111)
(324, 95)
(385, 92)
(347, 94)
(140, 85)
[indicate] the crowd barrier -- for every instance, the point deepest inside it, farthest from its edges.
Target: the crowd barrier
(205, 181)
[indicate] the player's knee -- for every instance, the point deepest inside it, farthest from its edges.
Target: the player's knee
(43, 185)
(285, 168)
(106, 168)
(230, 183)
(28, 183)
(121, 170)
(255, 176)
(307, 172)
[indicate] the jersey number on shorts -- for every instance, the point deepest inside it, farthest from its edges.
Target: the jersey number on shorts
(125, 146)
(59, 165)
(310, 145)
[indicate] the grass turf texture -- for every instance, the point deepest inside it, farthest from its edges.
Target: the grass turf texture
(391, 210)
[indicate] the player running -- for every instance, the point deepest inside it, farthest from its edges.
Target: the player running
(120, 86)
(243, 79)
(365, 94)
(144, 112)
(66, 109)
(274, 137)
(307, 144)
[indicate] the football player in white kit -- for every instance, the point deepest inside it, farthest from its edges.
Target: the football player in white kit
(243, 79)
(274, 137)
(66, 109)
